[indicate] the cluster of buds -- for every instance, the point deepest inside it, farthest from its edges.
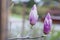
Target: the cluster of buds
(33, 18)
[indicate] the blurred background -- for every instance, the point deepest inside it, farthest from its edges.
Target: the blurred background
(19, 25)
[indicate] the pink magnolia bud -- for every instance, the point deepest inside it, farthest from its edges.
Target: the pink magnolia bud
(47, 24)
(33, 17)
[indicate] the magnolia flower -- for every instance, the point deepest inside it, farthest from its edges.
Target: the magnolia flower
(47, 24)
(33, 17)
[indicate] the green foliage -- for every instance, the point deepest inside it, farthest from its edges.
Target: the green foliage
(30, 3)
(55, 37)
(42, 11)
(57, 0)
(50, 0)
(17, 10)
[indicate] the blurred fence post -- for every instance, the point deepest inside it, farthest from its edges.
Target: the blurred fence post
(4, 19)
(0, 19)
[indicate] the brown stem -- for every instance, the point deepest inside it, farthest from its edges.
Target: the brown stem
(26, 38)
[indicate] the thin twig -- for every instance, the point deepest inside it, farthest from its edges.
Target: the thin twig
(26, 38)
